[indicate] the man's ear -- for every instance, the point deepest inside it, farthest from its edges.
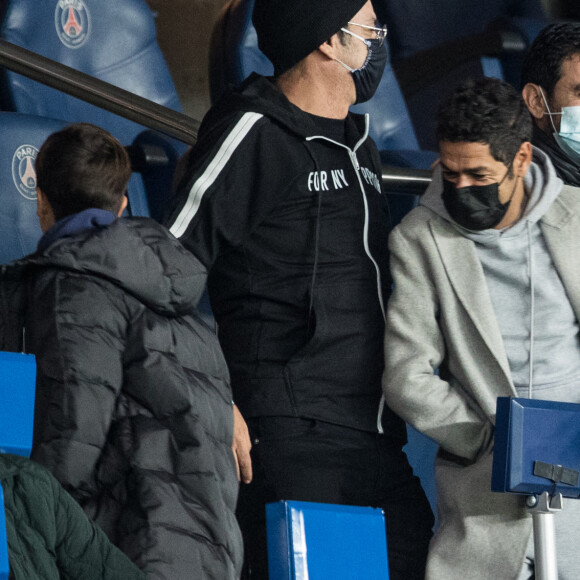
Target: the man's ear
(123, 206)
(330, 48)
(523, 159)
(532, 96)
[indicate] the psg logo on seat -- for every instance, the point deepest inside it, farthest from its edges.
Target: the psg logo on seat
(72, 22)
(23, 172)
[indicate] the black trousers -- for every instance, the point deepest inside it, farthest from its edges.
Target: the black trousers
(307, 460)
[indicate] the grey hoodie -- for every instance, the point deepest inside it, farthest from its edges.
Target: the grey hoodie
(537, 323)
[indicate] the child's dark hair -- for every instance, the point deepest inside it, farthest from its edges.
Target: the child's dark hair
(81, 167)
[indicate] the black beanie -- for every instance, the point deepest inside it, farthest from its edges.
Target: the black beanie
(289, 30)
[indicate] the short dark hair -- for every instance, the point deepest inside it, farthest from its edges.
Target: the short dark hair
(554, 44)
(80, 167)
(487, 111)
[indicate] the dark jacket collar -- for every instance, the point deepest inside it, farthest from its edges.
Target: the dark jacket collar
(567, 170)
(259, 94)
(73, 224)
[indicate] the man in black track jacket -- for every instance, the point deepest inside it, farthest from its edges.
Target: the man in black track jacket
(133, 409)
(281, 200)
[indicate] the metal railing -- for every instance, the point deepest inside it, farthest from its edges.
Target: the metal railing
(97, 92)
(405, 180)
(146, 112)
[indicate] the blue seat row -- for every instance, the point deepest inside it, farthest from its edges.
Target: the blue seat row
(112, 40)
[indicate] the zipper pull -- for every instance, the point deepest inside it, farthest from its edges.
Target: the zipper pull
(354, 160)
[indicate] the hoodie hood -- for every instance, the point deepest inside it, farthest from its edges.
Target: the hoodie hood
(258, 94)
(541, 184)
(137, 254)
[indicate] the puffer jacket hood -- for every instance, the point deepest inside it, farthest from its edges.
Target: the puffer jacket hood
(138, 255)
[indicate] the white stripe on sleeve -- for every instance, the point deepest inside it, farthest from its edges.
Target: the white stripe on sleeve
(211, 173)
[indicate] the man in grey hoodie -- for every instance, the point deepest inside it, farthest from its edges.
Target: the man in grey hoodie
(487, 291)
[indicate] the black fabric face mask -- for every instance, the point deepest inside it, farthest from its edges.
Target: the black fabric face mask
(368, 76)
(476, 207)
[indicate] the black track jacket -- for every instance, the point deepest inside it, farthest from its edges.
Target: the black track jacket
(293, 229)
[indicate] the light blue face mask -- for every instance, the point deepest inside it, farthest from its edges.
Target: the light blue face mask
(570, 128)
(568, 138)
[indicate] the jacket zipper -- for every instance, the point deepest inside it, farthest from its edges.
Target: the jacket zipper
(354, 160)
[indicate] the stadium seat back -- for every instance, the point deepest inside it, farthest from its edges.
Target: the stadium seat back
(22, 137)
(467, 30)
(111, 40)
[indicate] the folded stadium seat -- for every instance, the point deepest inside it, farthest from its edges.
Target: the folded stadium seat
(524, 28)
(155, 157)
(234, 54)
(112, 40)
(17, 392)
(317, 541)
(436, 45)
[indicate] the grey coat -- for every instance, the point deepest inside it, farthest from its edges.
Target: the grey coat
(440, 316)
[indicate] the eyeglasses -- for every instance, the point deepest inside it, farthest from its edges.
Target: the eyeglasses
(380, 32)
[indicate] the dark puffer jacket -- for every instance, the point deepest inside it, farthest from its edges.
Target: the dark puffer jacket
(49, 536)
(133, 406)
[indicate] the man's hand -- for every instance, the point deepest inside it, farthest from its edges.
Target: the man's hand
(241, 447)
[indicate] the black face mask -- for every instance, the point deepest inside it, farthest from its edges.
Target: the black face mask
(476, 207)
(369, 75)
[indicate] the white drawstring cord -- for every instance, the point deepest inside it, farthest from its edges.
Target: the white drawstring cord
(532, 309)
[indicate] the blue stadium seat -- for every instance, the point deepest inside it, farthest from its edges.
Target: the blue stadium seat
(112, 40)
(22, 136)
(318, 541)
(233, 51)
(17, 391)
(155, 157)
(437, 44)
(527, 29)
(415, 25)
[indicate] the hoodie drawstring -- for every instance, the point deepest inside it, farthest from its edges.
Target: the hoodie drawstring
(316, 244)
(316, 253)
(532, 310)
